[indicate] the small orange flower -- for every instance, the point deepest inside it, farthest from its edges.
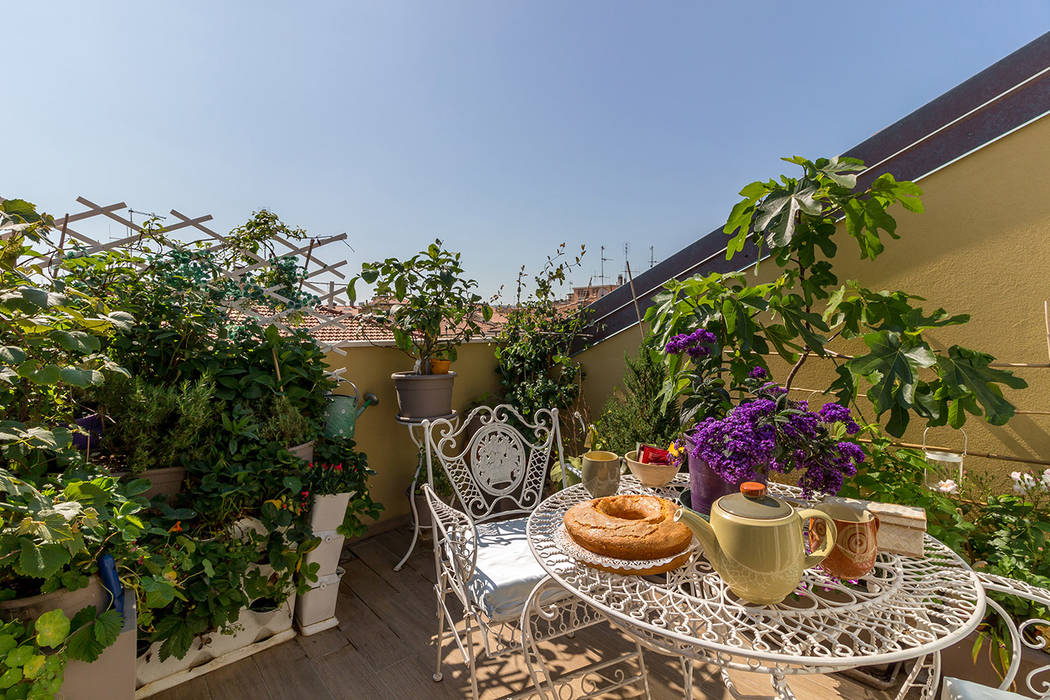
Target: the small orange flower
(177, 527)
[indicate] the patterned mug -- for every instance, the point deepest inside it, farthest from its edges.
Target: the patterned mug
(601, 473)
(853, 555)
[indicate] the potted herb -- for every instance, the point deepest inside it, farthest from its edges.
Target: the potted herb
(286, 425)
(430, 308)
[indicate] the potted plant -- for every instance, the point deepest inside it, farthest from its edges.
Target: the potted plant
(151, 430)
(286, 425)
(771, 433)
(430, 308)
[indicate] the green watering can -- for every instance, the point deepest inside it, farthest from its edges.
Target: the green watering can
(343, 411)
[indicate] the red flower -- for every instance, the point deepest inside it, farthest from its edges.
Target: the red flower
(306, 493)
(339, 467)
(311, 465)
(177, 527)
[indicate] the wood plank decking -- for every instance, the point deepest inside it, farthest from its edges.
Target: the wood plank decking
(382, 649)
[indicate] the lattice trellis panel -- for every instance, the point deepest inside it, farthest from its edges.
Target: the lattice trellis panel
(321, 279)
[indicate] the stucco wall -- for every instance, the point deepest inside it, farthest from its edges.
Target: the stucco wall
(981, 247)
(391, 453)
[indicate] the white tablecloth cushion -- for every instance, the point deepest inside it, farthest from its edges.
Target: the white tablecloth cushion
(506, 572)
(958, 689)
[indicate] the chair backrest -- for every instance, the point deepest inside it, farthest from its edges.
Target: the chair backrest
(496, 460)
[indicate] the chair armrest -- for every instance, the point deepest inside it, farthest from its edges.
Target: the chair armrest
(455, 536)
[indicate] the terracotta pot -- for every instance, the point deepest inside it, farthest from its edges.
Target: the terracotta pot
(422, 396)
(706, 487)
(853, 555)
(440, 366)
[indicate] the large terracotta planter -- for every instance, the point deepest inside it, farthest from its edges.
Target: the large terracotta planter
(422, 396)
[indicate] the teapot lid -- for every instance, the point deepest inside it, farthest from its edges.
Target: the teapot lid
(754, 502)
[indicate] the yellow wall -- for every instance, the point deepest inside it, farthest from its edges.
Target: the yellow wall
(981, 247)
(391, 453)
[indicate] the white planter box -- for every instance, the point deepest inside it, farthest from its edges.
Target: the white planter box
(257, 631)
(327, 553)
(328, 511)
(315, 609)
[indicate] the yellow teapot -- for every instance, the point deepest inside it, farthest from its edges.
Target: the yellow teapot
(754, 542)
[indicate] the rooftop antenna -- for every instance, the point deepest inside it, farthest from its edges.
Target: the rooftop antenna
(626, 260)
(604, 260)
(652, 258)
(149, 214)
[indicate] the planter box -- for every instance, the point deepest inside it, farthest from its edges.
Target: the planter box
(328, 511)
(327, 553)
(257, 631)
(165, 482)
(112, 675)
(315, 609)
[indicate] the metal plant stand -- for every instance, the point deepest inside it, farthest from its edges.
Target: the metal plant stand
(416, 433)
(905, 609)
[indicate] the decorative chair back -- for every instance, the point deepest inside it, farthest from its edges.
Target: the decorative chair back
(496, 460)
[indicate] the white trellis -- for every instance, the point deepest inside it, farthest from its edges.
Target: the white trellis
(320, 278)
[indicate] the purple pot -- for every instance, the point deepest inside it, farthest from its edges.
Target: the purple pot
(706, 487)
(93, 425)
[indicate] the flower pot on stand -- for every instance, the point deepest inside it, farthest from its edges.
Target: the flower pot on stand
(422, 396)
(328, 511)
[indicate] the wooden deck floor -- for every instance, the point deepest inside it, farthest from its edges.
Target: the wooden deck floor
(382, 649)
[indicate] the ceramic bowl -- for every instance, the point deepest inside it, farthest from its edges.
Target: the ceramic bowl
(651, 475)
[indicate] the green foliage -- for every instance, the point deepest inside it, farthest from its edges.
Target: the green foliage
(635, 414)
(425, 302)
(286, 424)
(794, 219)
(532, 349)
(153, 426)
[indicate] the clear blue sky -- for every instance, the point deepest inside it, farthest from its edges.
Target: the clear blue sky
(502, 127)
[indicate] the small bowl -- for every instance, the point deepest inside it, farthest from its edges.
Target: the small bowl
(651, 475)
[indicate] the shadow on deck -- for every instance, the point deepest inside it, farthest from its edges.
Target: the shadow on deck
(383, 649)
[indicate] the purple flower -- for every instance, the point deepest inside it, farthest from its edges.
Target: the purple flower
(766, 435)
(696, 344)
(758, 372)
(836, 413)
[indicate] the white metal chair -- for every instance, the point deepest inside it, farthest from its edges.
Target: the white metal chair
(1030, 634)
(497, 462)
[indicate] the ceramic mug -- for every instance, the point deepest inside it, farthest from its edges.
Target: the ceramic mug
(601, 473)
(853, 555)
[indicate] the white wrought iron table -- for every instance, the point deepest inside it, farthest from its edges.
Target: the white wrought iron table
(905, 609)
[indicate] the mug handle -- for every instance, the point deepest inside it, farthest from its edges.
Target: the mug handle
(830, 531)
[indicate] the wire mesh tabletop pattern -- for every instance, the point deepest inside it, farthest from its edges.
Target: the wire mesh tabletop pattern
(906, 608)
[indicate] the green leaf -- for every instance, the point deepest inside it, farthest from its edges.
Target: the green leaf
(41, 561)
(51, 628)
(19, 655)
(12, 354)
(892, 369)
(159, 591)
(10, 677)
(32, 668)
(966, 371)
(7, 643)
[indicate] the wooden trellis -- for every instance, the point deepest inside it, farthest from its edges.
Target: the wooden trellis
(320, 278)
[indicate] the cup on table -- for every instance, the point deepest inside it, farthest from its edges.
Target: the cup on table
(601, 473)
(853, 555)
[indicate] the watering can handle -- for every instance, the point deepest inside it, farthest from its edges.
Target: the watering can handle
(830, 531)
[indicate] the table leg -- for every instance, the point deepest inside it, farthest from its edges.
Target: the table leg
(415, 516)
(928, 686)
(687, 677)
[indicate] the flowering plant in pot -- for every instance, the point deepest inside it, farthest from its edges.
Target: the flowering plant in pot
(770, 433)
(430, 308)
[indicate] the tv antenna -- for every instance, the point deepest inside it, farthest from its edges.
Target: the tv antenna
(652, 258)
(626, 260)
(603, 260)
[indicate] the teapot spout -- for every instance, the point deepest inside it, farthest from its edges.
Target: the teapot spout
(703, 531)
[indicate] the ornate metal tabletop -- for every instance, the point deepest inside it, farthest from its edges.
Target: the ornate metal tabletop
(906, 608)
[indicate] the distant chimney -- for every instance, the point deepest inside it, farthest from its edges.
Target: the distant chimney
(619, 279)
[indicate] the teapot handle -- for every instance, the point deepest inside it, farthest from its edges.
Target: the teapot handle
(830, 532)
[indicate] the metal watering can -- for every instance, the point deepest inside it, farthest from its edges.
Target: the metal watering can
(343, 411)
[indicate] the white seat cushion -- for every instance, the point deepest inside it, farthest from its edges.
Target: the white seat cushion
(958, 689)
(506, 571)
